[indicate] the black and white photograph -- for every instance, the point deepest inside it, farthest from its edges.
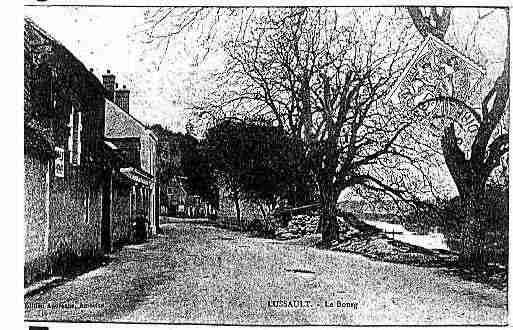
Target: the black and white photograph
(265, 165)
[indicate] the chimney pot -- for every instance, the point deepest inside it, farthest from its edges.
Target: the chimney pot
(122, 98)
(109, 82)
(91, 69)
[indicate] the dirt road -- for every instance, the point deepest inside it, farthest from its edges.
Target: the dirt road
(200, 274)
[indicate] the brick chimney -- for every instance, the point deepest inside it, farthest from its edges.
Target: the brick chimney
(122, 98)
(109, 82)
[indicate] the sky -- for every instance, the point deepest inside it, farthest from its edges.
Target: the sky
(111, 38)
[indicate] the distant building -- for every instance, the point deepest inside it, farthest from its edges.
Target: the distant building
(174, 198)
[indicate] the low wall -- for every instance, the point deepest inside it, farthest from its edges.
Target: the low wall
(227, 213)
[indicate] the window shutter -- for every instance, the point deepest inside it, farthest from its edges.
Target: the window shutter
(74, 140)
(79, 139)
(71, 133)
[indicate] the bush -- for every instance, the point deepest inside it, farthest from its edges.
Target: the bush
(263, 227)
(494, 205)
(422, 222)
(448, 218)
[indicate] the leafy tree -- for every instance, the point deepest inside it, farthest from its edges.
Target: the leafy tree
(321, 75)
(258, 162)
(182, 155)
(198, 170)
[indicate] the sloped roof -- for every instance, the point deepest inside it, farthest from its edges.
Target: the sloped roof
(35, 37)
(71, 76)
(120, 124)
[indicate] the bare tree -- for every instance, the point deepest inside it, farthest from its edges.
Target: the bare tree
(321, 77)
(470, 174)
(430, 20)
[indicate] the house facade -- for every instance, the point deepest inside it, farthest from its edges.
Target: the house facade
(135, 187)
(65, 161)
(89, 165)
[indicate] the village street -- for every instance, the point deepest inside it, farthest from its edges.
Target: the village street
(196, 273)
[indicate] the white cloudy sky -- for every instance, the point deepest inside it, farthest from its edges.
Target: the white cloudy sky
(111, 38)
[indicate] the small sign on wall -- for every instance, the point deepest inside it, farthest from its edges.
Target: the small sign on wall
(59, 162)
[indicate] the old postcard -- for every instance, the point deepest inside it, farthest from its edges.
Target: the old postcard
(266, 165)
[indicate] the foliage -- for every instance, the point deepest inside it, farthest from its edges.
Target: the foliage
(198, 171)
(319, 74)
(449, 218)
(182, 155)
(263, 227)
(262, 162)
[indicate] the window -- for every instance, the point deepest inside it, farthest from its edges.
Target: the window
(43, 90)
(87, 204)
(150, 155)
(74, 139)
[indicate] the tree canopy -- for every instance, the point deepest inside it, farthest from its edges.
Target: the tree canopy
(262, 162)
(321, 75)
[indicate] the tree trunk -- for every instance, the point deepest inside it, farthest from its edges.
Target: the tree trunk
(237, 209)
(262, 209)
(470, 181)
(472, 234)
(330, 228)
(328, 223)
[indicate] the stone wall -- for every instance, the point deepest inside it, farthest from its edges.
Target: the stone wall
(36, 216)
(75, 215)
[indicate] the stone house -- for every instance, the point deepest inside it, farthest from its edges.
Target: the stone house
(169, 170)
(175, 196)
(89, 165)
(66, 161)
(135, 186)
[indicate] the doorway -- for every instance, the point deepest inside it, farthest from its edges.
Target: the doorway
(106, 241)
